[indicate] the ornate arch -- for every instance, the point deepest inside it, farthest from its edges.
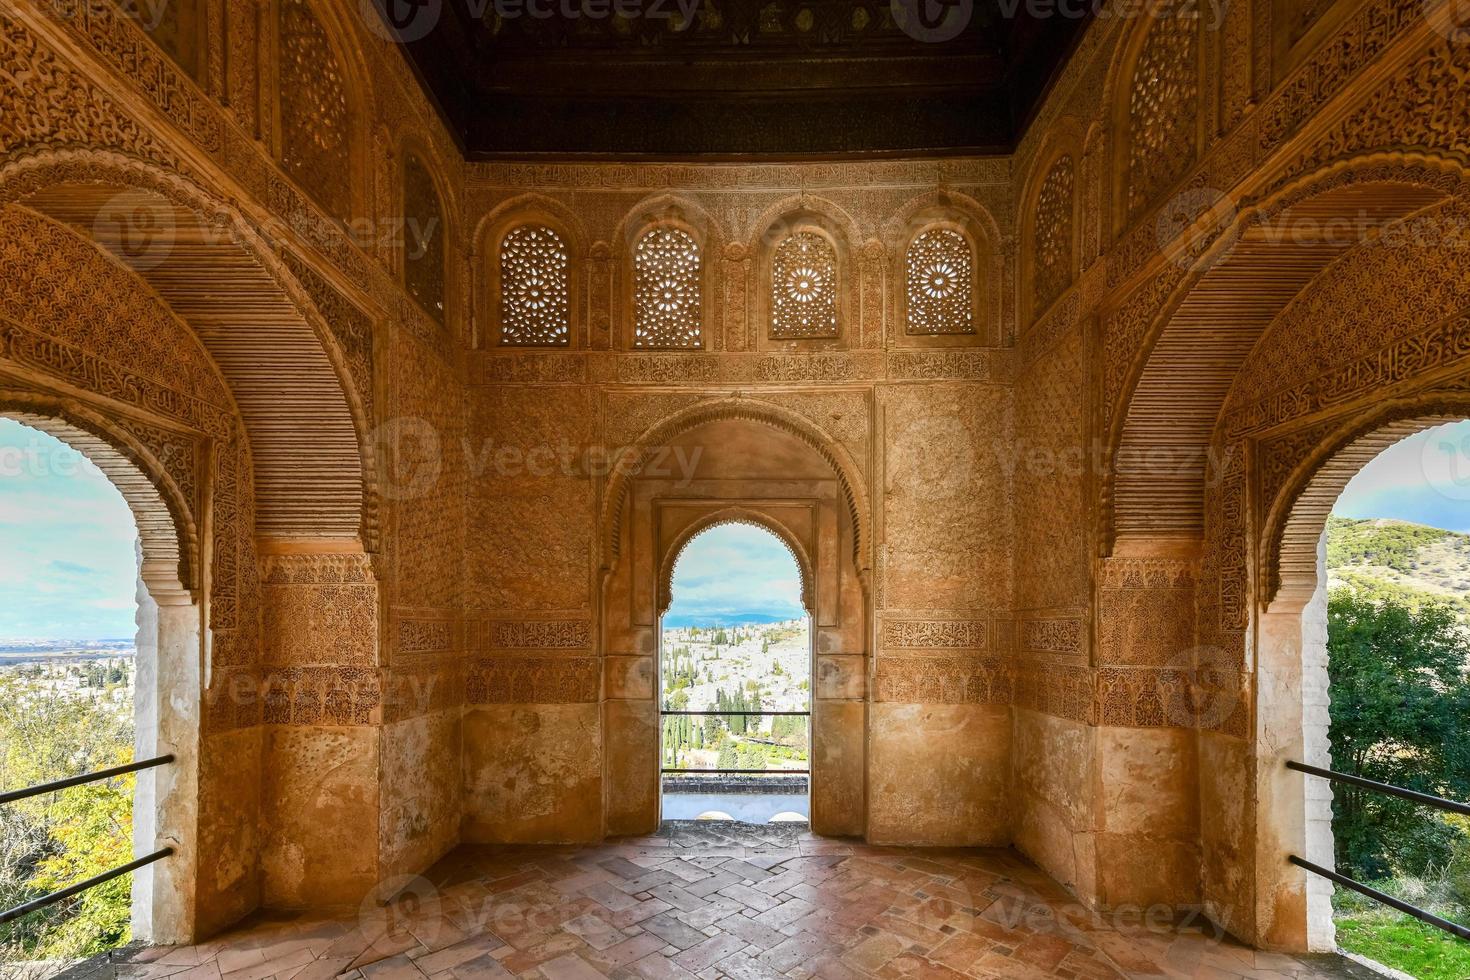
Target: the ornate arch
(254, 316)
(949, 209)
(688, 216)
(1051, 207)
(1170, 385)
(528, 209)
(632, 460)
(162, 510)
(1297, 512)
(669, 561)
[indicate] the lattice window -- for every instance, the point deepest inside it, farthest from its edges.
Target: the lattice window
(804, 287)
(423, 238)
(666, 307)
(941, 283)
(534, 288)
(1052, 248)
(315, 119)
(1163, 108)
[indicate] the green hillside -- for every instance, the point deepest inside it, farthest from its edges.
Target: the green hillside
(1407, 561)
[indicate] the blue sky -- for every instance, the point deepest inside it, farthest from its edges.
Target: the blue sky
(67, 565)
(1424, 479)
(733, 573)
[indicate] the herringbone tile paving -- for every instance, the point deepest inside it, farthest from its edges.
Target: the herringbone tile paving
(726, 900)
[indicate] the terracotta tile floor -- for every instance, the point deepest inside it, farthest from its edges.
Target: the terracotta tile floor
(722, 900)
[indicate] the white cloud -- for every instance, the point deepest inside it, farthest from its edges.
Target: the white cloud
(733, 571)
(67, 540)
(1424, 479)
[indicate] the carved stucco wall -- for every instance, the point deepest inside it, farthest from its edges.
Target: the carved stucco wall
(1057, 644)
(117, 351)
(884, 398)
(1298, 361)
(330, 756)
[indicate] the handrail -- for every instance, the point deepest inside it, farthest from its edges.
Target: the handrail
(40, 903)
(740, 714)
(91, 777)
(1454, 928)
(740, 772)
(1408, 794)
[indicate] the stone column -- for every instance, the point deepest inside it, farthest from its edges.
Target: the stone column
(166, 805)
(1293, 811)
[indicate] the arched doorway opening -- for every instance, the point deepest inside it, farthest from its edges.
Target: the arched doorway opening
(745, 460)
(1364, 671)
(100, 669)
(735, 680)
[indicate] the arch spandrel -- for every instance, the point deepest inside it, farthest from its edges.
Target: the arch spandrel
(315, 475)
(1182, 366)
(1327, 456)
(662, 434)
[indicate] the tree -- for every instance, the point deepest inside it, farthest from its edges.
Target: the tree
(729, 757)
(1400, 715)
(52, 841)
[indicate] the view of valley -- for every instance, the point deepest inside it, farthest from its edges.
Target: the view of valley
(1399, 663)
(1397, 558)
(735, 669)
(65, 708)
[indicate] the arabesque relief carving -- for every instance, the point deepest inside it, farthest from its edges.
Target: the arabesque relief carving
(960, 362)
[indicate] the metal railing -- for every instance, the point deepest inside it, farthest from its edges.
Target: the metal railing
(674, 770)
(1413, 796)
(36, 904)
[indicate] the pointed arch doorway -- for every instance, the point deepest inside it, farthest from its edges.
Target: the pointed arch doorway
(740, 459)
(735, 677)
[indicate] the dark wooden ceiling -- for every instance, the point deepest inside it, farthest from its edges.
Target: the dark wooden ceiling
(741, 78)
